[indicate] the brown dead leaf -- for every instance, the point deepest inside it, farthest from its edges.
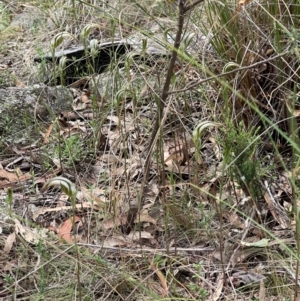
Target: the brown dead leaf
(114, 119)
(11, 238)
(62, 199)
(107, 159)
(142, 235)
(242, 254)
(47, 134)
(176, 158)
(8, 176)
(75, 126)
(28, 234)
(85, 98)
(180, 216)
(65, 229)
(13, 176)
(278, 217)
(234, 219)
(242, 3)
(122, 219)
(161, 277)
(114, 222)
(177, 153)
(145, 217)
(241, 278)
(262, 291)
(116, 241)
(12, 179)
(84, 205)
(219, 287)
(19, 83)
(10, 266)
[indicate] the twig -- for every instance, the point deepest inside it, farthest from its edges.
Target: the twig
(165, 92)
(147, 250)
(227, 73)
(183, 8)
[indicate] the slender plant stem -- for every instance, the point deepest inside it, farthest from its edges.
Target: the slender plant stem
(165, 92)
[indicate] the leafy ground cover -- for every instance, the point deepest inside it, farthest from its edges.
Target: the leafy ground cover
(171, 176)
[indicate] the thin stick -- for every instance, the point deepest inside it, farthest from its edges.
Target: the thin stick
(229, 72)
